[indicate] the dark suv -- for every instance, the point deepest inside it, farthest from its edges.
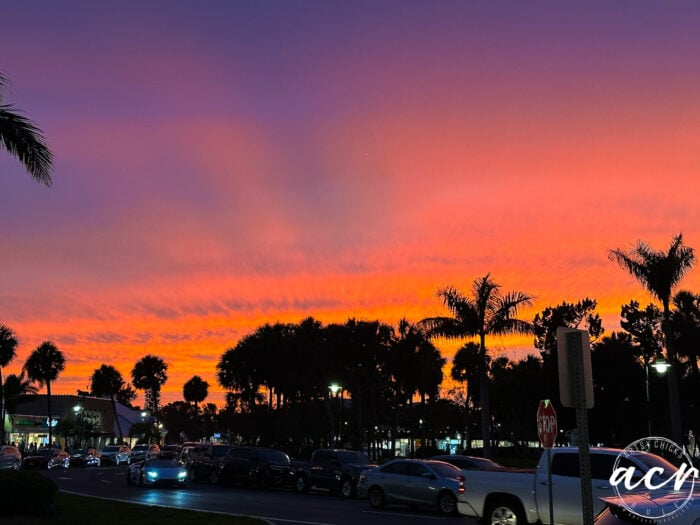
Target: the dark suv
(206, 466)
(257, 466)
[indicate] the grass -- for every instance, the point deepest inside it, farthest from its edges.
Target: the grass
(83, 510)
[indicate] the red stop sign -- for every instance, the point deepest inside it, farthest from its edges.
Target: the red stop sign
(546, 423)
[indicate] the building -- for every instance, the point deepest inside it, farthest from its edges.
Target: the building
(77, 420)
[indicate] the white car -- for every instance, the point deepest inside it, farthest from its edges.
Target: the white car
(144, 451)
(157, 471)
(116, 454)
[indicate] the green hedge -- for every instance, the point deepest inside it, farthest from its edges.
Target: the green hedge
(26, 493)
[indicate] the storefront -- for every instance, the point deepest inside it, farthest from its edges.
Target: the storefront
(76, 420)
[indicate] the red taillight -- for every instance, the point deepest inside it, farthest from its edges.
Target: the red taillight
(461, 484)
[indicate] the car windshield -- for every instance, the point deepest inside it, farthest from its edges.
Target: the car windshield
(274, 455)
(110, 449)
(79, 452)
(139, 448)
(46, 453)
(445, 470)
(354, 458)
(162, 463)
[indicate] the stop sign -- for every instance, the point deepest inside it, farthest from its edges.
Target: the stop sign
(546, 423)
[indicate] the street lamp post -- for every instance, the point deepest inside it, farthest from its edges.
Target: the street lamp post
(660, 365)
(337, 390)
(79, 418)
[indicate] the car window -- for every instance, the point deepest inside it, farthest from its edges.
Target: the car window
(351, 457)
(416, 469)
(398, 467)
(445, 470)
(220, 452)
(273, 455)
(460, 462)
(565, 464)
(602, 465)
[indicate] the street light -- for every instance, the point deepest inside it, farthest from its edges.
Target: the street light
(336, 389)
(660, 365)
(79, 418)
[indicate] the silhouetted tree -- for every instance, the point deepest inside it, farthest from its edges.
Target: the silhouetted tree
(8, 351)
(486, 312)
(108, 381)
(659, 272)
(43, 366)
(150, 374)
(195, 391)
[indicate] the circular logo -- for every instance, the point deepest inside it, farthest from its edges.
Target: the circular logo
(654, 478)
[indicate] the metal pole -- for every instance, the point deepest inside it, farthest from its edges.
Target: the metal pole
(549, 486)
(575, 346)
(646, 372)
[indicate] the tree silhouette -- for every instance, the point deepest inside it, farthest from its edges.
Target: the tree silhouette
(195, 391)
(43, 366)
(487, 312)
(16, 387)
(8, 351)
(150, 374)
(108, 381)
(23, 140)
(659, 272)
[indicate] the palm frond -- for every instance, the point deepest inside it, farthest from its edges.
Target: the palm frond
(22, 139)
(447, 327)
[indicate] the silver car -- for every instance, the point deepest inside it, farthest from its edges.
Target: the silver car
(416, 483)
(144, 451)
(116, 454)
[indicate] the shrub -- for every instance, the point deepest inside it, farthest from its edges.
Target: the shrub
(26, 493)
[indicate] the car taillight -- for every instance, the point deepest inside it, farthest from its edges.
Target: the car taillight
(461, 484)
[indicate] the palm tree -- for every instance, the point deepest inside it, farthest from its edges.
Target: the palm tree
(487, 312)
(15, 388)
(43, 366)
(149, 374)
(659, 272)
(195, 391)
(108, 381)
(22, 139)
(8, 351)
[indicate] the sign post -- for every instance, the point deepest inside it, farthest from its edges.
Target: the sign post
(576, 390)
(547, 432)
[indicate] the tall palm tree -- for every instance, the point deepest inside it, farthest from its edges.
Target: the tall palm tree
(659, 272)
(487, 312)
(8, 351)
(43, 366)
(149, 374)
(108, 381)
(22, 139)
(195, 391)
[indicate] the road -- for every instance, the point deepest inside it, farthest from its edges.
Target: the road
(282, 507)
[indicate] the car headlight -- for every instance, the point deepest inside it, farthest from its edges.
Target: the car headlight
(152, 474)
(182, 475)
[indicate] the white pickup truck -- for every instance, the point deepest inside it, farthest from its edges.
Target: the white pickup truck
(516, 497)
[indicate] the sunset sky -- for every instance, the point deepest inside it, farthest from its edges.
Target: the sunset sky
(219, 165)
